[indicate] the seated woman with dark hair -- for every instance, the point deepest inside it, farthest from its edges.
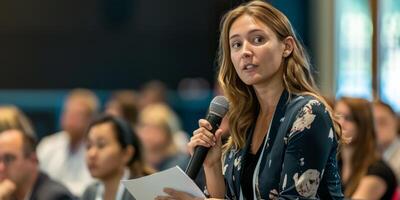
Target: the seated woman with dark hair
(114, 153)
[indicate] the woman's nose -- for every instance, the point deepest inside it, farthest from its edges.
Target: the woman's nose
(246, 50)
(91, 152)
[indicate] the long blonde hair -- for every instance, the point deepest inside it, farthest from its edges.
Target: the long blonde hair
(297, 78)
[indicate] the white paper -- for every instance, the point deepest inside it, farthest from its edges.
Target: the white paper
(149, 187)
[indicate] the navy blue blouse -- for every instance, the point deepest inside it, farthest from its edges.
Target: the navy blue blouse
(298, 157)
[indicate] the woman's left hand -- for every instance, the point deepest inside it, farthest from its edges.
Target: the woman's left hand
(177, 195)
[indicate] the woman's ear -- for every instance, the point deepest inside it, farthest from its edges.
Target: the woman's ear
(289, 46)
(129, 153)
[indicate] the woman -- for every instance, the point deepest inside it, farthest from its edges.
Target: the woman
(114, 153)
(123, 103)
(387, 135)
(364, 174)
(283, 141)
(158, 128)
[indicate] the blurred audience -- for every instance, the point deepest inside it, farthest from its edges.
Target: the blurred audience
(114, 153)
(11, 117)
(364, 174)
(62, 155)
(152, 92)
(20, 177)
(123, 103)
(159, 130)
(387, 135)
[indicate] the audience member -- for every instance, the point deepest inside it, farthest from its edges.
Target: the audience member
(364, 174)
(152, 92)
(13, 118)
(123, 103)
(20, 177)
(387, 135)
(114, 153)
(62, 155)
(157, 127)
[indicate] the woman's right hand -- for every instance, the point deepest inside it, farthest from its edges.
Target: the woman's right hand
(203, 137)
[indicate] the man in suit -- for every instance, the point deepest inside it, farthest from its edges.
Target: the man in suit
(20, 177)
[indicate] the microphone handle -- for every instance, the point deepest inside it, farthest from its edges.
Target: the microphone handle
(200, 152)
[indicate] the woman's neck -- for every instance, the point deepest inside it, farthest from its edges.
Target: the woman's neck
(111, 185)
(268, 97)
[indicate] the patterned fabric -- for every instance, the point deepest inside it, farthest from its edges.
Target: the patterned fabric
(298, 159)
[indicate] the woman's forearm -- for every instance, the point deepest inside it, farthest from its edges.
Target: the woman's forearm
(215, 181)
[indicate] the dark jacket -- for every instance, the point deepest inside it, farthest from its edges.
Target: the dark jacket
(47, 189)
(298, 156)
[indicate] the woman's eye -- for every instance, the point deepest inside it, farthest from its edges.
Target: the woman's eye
(101, 145)
(258, 40)
(235, 45)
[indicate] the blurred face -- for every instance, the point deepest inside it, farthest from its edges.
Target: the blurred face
(113, 109)
(14, 165)
(104, 156)
(75, 118)
(154, 137)
(386, 125)
(349, 128)
(256, 52)
(149, 96)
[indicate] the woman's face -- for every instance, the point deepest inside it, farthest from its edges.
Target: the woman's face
(104, 155)
(386, 125)
(256, 52)
(113, 108)
(349, 127)
(153, 136)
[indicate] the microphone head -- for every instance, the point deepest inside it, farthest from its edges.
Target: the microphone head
(219, 106)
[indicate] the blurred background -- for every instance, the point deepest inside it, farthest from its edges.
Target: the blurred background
(49, 47)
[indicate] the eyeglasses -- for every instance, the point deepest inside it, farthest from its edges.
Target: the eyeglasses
(347, 118)
(7, 159)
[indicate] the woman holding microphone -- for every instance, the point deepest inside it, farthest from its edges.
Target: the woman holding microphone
(283, 139)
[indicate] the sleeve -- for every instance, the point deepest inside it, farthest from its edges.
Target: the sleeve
(309, 143)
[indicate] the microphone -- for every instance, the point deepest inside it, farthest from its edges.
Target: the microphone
(218, 108)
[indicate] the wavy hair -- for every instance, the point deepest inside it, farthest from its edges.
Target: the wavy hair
(297, 77)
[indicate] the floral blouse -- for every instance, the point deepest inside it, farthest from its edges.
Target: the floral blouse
(298, 156)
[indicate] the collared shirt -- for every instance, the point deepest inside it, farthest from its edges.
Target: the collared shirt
(69, 168)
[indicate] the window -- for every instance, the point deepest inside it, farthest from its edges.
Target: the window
(353, 49)
(389, 52)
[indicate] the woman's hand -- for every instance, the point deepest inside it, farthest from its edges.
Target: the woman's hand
(178, 195)
(203, 137)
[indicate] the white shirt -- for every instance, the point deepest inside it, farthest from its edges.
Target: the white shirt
(61, 164)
